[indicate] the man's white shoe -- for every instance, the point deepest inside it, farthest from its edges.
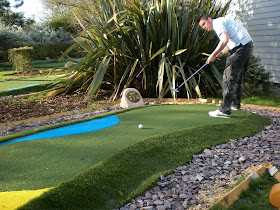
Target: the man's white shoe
(218, 113)
(234, 108)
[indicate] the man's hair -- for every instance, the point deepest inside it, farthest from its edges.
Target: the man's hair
(203, 17)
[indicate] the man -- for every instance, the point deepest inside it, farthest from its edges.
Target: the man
(237, 43)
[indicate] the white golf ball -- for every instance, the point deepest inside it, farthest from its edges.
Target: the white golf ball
(140, 126)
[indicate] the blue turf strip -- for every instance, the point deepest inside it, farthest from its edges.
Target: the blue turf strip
(22, 87)
(82, 127)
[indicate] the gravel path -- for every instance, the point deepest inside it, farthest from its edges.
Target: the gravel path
(207, 177)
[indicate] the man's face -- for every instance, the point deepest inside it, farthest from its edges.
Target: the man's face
(206, 24)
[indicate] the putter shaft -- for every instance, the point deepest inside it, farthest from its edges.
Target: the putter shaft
(176, 89)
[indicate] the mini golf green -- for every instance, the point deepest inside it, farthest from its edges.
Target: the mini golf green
(25, 82)
(46, 162)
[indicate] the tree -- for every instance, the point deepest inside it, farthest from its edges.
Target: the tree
(62, 12)
(10, 18)
(62, 7)
(4, 7)
(64, 21)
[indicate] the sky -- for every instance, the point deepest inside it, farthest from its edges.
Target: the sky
(31, 8)
(34, 9)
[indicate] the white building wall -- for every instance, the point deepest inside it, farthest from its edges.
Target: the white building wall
(262, 20)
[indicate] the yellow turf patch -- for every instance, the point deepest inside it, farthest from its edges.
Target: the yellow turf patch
(15, 199)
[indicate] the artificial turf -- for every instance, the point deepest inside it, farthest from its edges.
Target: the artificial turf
(123, 160)
(46, 162)
(23, 82)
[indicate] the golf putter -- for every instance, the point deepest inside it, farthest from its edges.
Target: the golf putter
(176, 89)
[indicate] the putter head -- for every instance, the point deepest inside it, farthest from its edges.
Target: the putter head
(174, 89)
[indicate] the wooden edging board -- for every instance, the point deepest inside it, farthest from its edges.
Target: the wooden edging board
(229, 198)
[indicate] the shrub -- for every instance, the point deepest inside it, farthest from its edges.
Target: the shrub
(64, 22)
(48, 42)
(11, 37)
(45, 41)
(256, 80)
(50, 49)
(21, 58)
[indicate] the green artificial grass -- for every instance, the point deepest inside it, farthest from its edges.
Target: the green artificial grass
(36, 64)
(134, 167)
(58, 159)
(21, 86)
(4, 73)
(8, 81)
(49, 63)
(27, 90)
(257, 196)
(17, 83)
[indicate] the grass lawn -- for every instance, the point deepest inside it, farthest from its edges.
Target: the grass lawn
(263, 100)
(25, 85)
(39, 64)
(257, 196)
(5, 85)
(43, 64)
(116, 164)
(8, 81)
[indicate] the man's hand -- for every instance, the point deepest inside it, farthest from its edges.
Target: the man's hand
(219, 55)
(211, 59)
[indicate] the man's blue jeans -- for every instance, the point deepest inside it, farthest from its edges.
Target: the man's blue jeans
(237, 64)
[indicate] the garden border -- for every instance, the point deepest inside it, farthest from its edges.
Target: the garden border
(232, 196)
(53, 116)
